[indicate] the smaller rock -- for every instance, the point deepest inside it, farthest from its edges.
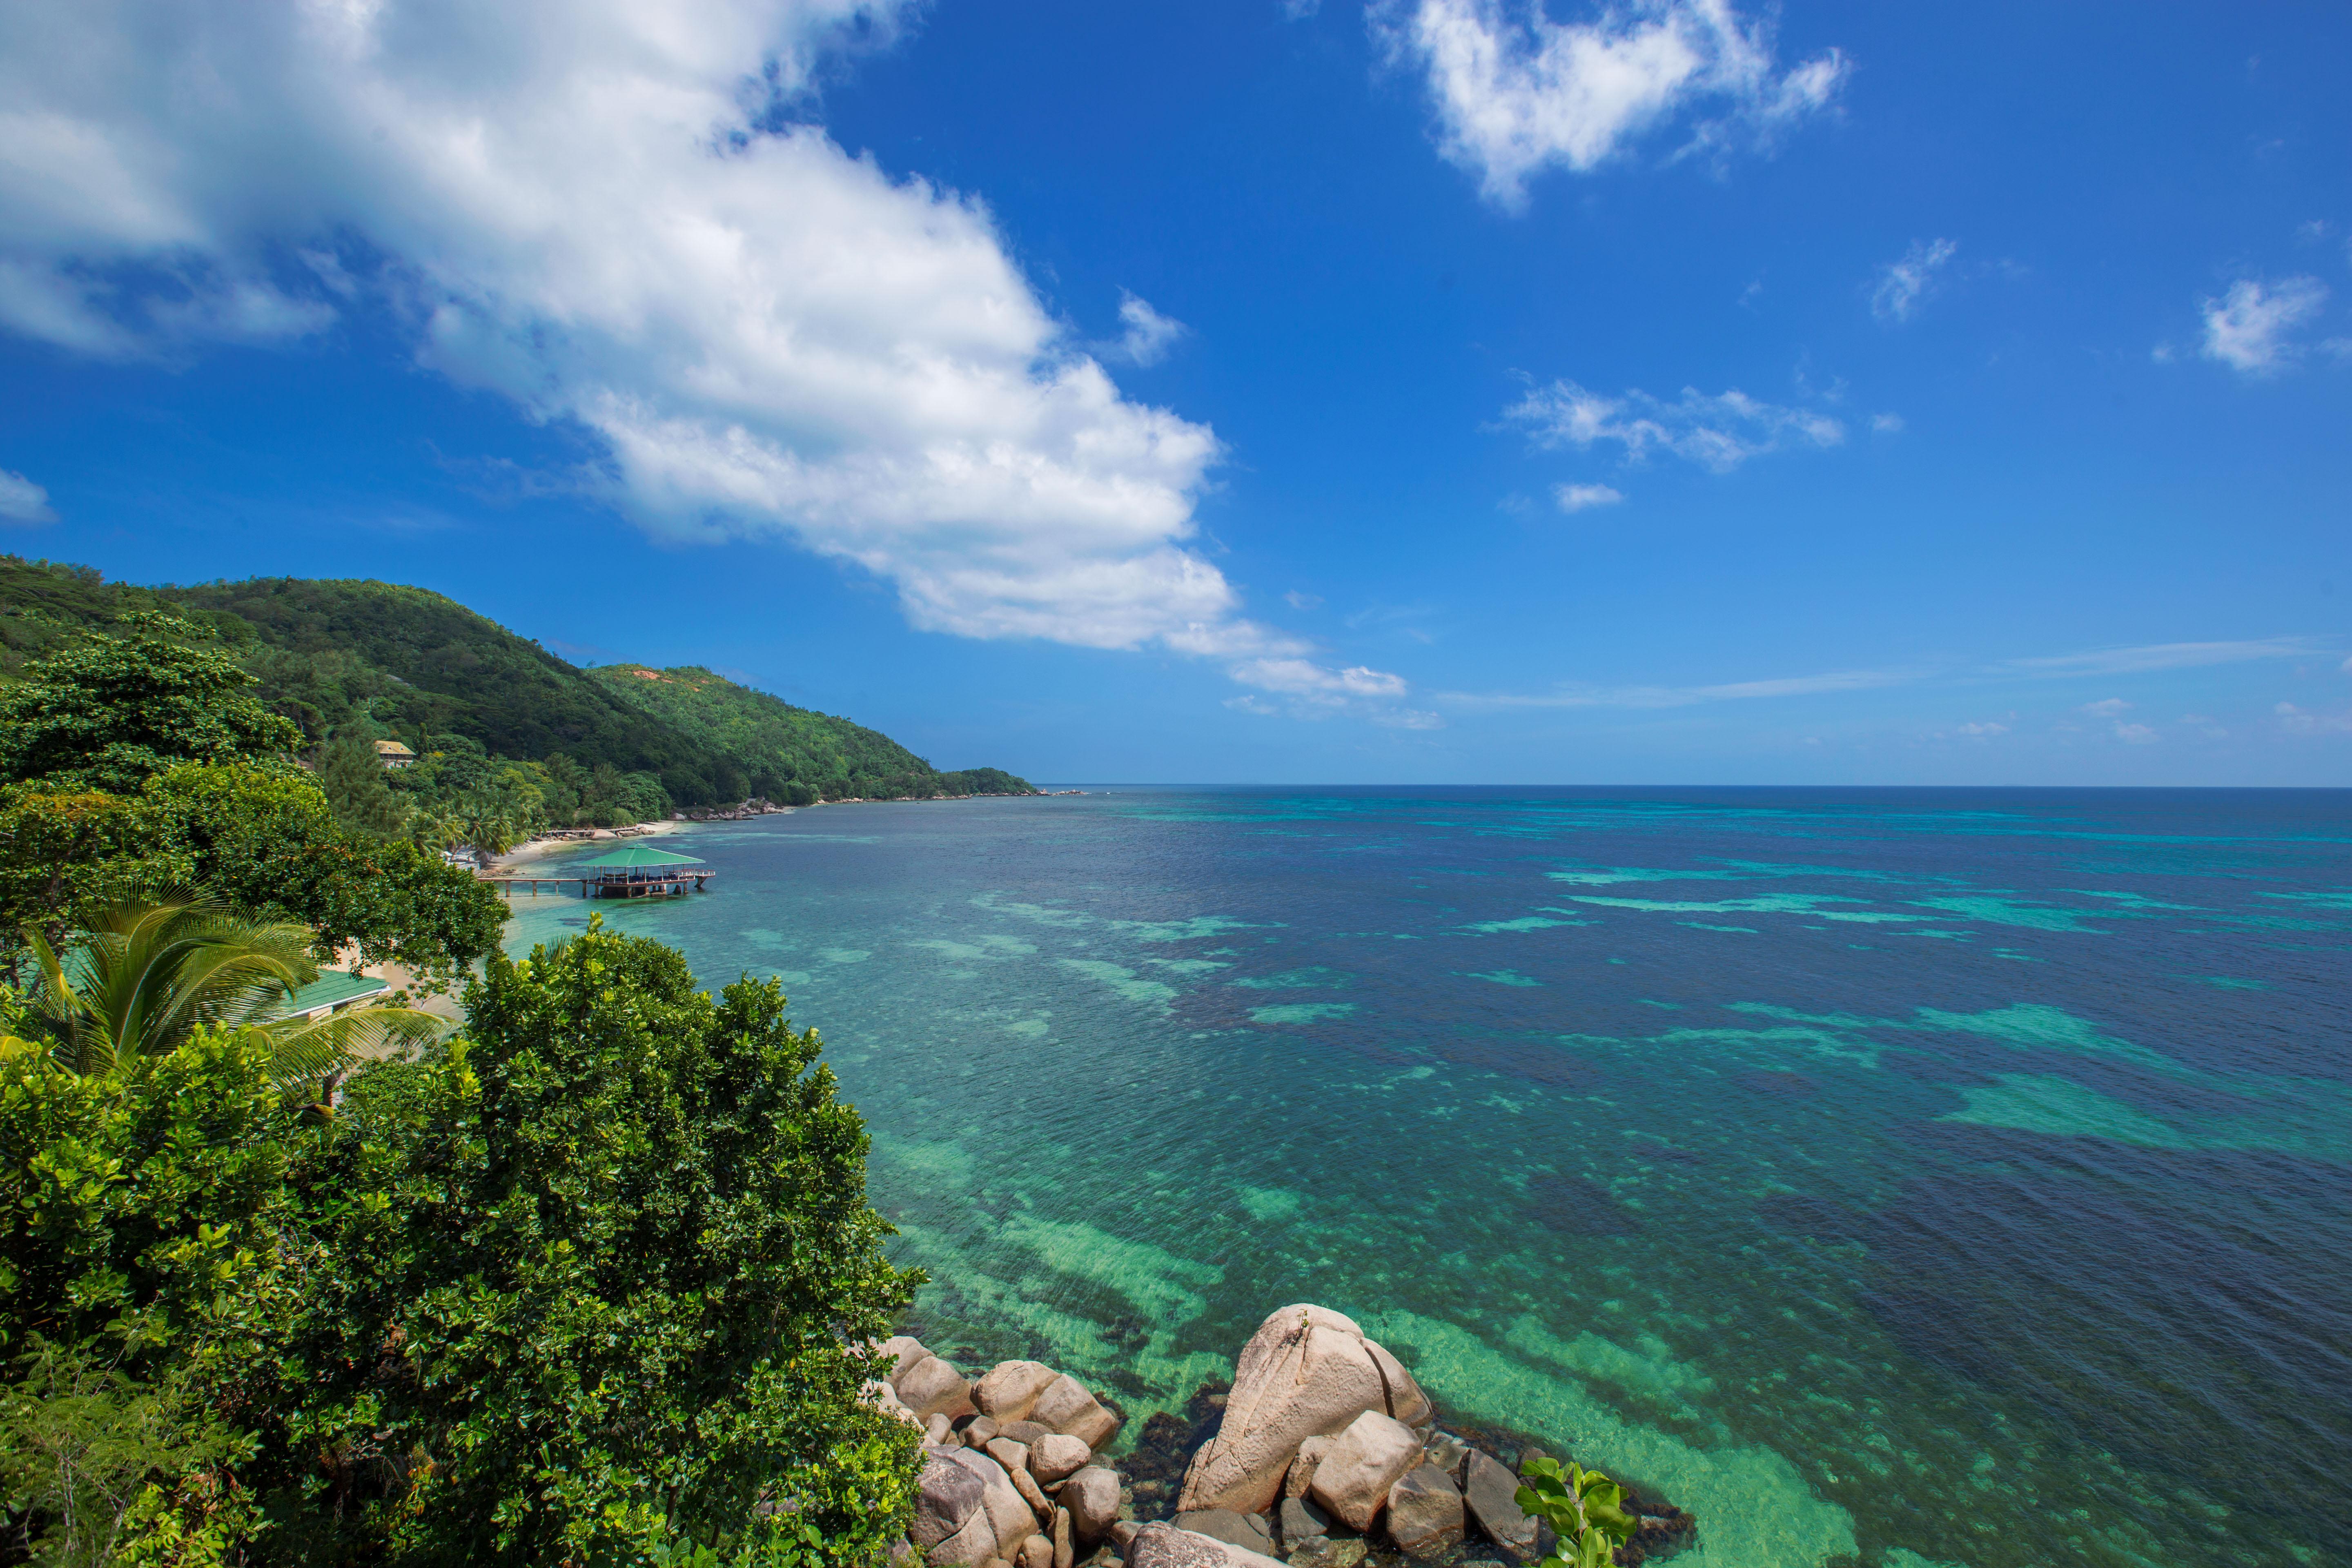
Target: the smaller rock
(1371, 1456)
(1036, 1552)
(1063, 1405)
(1167, 1546)
(1321, 1551)
(1528, 1457)
(1301, 1474)
(1300, 1477)
(1122, 1534)
(1013, 1456)
(1091, 1496)
(1053, 1456)
(1064, 1544)
(1299, 1522)
(1034, 1495)
(938, 1430)
(1445, 1451)
(978, 1431)
(1243, 1530)
(1026, 1432)
(1490, 1494)
(1424, 1511)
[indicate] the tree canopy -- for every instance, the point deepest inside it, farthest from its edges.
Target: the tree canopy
(591, 1284)
(108, 714)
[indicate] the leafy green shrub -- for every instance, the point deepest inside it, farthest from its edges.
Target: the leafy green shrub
(599, 1272)
(1584, 1508)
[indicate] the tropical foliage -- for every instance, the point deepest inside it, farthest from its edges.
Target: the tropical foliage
(790, 753)
(1585, 1509)
(585, 1285)
(589, 1283)
(143, 977)
(361, 661)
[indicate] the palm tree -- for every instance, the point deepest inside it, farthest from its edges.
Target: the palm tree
(147, 974)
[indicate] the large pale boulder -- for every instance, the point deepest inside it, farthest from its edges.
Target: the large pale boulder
(1307, 1371)
(1371, 1456)
(1063, 1405)
(1008, 1518)
(1490, 1493)
(904, 1351)
(933, 1387)
(1010, 1388)
(1424, 1511)
(946, 1498)
(1053, 1456)
(970, 1547)
(1165, 1546)
(1092, 1498)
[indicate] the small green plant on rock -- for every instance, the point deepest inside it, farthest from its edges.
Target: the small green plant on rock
(1584, 1508)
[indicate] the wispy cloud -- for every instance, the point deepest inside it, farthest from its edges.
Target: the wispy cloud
(1515, 93)
(2150, 657)
(1148, 336)
(1905, 283)
(2296, 721)
(2163, 655)
(22, 501)
(1719, 432)
(1583, 695)
(2250, 328)
(1578, 497)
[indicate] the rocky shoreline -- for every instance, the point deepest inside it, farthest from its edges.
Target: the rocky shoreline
(1322, 1453)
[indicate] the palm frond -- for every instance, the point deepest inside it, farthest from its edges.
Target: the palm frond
(307, 1050)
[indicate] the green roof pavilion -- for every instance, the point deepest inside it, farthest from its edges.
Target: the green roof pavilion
(639, 855)
(332, 989)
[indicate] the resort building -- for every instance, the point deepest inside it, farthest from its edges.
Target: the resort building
(393, 756)
(332, 992)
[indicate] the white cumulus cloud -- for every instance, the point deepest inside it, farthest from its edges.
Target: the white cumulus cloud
(1719, 432)
(22, 501)
(1578, 497)
(1516, 93)
(615, 214)
(1905, 283)
(2250, 328)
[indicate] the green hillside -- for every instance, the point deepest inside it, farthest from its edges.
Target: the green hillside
(377, 660)
(781, 745)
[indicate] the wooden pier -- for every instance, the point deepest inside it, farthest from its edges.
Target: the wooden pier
(608, 887)
(639, 871)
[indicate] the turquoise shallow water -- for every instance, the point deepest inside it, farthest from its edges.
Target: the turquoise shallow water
(1900, 1177)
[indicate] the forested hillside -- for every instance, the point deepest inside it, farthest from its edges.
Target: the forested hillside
(519, 732)
(782, 746)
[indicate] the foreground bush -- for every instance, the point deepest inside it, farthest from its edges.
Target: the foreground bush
(574, 1289)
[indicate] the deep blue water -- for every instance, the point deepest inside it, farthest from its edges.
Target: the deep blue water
(1903, 1176)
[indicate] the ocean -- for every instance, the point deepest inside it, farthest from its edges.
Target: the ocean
(1901, 1177)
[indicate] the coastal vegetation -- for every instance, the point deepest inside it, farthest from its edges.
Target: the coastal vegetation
(510, 738)
(594, 1280)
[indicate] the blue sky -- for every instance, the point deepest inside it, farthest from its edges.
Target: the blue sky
(1446, 391)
